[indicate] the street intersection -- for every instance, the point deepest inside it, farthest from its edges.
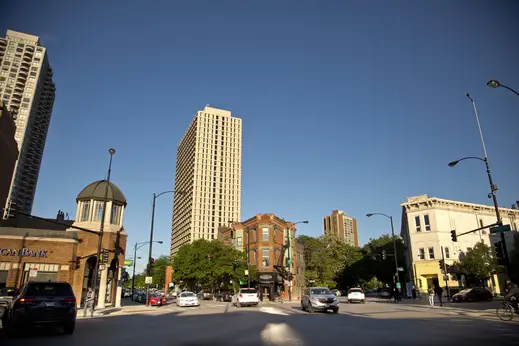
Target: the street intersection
(213, 323)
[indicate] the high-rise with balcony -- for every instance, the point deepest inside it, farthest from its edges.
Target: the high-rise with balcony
(207, 177)
(26, 87)
(343, 226)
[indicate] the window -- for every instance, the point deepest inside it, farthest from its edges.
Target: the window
(265, 234)
(421, 253)
(431, 253)
(98, 211)
(417, 222)
(447, 252)
(265, 257)
(85, 211)
(426, 222)
(239, 241)
(115, 217)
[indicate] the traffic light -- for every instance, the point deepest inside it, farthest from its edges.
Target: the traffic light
(454, 237)
(104, 256)
(498, 248)
(442, 265)
(152, 263)
(235, 259)
(383, 254)
(208, 257)
(76, 262)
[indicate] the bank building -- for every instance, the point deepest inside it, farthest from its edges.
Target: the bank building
(53, 250)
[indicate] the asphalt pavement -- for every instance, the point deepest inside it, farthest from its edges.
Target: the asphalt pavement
(215, 323)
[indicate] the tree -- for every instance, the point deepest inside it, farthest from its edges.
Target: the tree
(209, 265)
(159, 271)
(478, 264)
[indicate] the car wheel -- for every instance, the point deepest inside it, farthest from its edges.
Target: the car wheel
(336, 310)
(68, 328)
(302, 306)
(363, 301)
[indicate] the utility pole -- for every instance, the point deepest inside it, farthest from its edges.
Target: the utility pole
(289, 267)
(445, 276)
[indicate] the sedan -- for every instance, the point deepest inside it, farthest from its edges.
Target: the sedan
(476, 294)
(157, 301)
(187, 299)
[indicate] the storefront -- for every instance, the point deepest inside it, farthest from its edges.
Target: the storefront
(65, 250)
(270, 285)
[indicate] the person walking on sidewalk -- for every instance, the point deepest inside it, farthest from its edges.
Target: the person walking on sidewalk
(89, 302)
(439, 291)
(431, 297)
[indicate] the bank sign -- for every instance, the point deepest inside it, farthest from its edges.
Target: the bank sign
(25, 252)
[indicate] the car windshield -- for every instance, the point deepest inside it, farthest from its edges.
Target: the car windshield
(58, 289)
(320, 291)
(466, 291)
(187, 294)
(355, 290)
(248, 290)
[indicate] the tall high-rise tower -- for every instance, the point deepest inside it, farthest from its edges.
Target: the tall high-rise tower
(26, 87)
(208, 177)
(343, 226)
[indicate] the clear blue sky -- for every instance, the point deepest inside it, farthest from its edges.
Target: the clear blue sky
(349, 105)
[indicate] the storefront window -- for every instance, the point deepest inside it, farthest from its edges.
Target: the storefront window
(44, 272)
(4, 272)
(85, 211)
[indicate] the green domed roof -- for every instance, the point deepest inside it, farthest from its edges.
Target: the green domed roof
(97, 190)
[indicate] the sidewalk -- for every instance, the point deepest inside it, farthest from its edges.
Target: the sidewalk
(116, 311)
(458, 308)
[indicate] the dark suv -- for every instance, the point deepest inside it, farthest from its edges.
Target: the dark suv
(42, 303)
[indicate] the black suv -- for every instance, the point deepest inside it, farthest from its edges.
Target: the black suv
(42, 303)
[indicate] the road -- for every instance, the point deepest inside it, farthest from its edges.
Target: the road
(373, 323)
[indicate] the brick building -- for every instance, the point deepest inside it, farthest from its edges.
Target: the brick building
(52, 249)
(272, 249)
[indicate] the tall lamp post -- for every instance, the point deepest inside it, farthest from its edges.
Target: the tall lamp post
(394, 247)
(495, 84)
(135, 248)
(155, 196)
(289, 256)
(111, 151)
(493, 187)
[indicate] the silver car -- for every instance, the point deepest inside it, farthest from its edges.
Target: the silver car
(319, 299)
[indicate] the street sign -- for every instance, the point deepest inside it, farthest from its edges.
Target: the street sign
(148, 280)
(398, 285)
(33, 272)
(246, 272)
(128, 263)
(500, 229)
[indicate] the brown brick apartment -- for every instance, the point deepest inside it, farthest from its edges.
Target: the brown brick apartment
(272, 248)
(52, 249)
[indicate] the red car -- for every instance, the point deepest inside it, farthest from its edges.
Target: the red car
(157, 301)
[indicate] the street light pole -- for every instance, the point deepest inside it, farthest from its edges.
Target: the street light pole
(111, 151)
(495, 84)
(135, 248)
(394, 246)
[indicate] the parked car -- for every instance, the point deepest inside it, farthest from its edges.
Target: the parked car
(356, 295)
(157, 300)
(246, 296)
(319, 299)
(187, 299)
(224, 297)
(476, 294)
(205, 295)
(42, 303)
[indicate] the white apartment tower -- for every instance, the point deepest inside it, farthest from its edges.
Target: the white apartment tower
(26, 87)
(208, 177)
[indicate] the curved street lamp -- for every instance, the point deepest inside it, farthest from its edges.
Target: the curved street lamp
(135, 248)
(495, 84)
(394, 245)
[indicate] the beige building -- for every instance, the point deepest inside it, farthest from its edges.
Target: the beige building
(27, 88)
(427, 223)
(343, 226)
(208, 171)
(8, 152)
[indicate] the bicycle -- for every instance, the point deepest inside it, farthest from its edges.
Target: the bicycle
(506, 311)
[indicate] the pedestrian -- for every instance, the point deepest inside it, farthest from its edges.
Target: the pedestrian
(413, 292)
(89, 301)
(431, 297)
(439, 291)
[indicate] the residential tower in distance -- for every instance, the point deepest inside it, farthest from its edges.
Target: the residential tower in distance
(343, 226)
(26, 87)
(207, 177)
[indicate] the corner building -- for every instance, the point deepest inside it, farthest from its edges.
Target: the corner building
(39, 250)
(207, 177)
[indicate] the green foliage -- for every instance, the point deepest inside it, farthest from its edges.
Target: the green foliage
(478, 264)
(159, 271)
(195, 271)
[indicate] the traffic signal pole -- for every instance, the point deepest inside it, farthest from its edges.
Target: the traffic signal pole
(445, 276)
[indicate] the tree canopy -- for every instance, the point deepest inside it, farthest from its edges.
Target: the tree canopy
(478, 264)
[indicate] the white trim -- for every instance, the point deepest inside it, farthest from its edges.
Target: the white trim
(62, 240)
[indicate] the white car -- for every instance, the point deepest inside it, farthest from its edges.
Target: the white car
(187, 299)
(356, 295)
(245, 296)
